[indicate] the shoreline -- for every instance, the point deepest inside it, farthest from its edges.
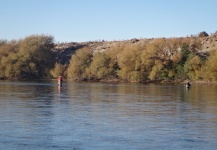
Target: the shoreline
(124, 81)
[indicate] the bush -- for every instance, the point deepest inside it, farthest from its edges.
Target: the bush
(100, 66)
(37, 56)
(29, 58)
(203, 34)
(58, 70)
(79, 63)
(209, 71)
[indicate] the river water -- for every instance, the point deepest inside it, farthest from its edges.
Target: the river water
(107, 116)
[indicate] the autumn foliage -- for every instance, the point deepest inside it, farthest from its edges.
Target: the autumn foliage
(167, 59)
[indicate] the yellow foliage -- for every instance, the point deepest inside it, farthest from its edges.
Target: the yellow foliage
(176, 57)
(100, 66)
(209, 71)
(58, 70)
(79, 62)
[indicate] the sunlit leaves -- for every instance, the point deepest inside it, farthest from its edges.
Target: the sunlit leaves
(209, 70)
(79, 62)
(30, 57)
(130, 64)
(58, 70)
(151, 59)
(101, 66)
(36, 51)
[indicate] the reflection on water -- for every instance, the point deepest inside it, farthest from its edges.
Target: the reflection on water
(42, 115)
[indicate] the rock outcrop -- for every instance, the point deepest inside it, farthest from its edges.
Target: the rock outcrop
(209, 42)
(64, 51)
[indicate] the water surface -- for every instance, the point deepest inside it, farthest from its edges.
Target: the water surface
(42, 115)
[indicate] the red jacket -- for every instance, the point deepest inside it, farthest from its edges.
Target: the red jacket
(59, 79)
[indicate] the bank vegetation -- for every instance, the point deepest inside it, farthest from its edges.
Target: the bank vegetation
(159, 59)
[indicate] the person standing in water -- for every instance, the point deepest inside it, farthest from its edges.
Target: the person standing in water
(60, 80)
(188, 85)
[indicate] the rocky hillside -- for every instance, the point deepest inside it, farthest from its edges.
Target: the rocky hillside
(209, 42)
(64, 51)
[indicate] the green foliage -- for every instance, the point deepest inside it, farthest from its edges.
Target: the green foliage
(185, 53)
(179, 61)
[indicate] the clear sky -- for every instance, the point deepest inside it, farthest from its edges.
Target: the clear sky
(90, 20)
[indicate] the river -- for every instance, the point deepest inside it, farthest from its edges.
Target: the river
(106, 116)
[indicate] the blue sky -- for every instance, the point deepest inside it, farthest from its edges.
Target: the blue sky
(90, 20)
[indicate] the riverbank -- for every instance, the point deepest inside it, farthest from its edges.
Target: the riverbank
(135, 60)
(115, 80)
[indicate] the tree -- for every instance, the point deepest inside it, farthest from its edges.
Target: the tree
(130, 64)
(37, 56)
(8, 47)
(193, 67)
(58, 70)
(209, 70)
(79, 62)
(8, 59)
(152, 59)
(10, 67)
(101, 66)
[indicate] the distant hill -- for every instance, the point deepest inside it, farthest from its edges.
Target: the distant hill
(64, 51)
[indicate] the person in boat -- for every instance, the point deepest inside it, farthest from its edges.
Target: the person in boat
(188, 85)
(60, 80)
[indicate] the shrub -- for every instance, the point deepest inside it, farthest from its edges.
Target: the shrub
(203, 34)
(79, 62)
